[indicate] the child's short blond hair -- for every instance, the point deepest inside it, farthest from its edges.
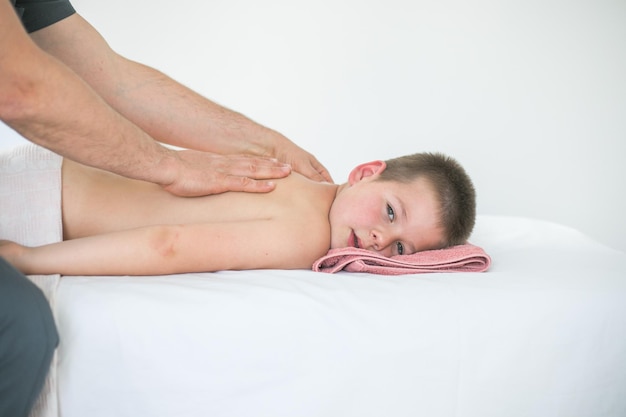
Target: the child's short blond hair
(452, 185)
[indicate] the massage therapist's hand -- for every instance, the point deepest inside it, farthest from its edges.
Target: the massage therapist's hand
(300, 160)
(201, 173)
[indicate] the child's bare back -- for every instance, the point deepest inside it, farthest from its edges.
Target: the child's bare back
(96, 202)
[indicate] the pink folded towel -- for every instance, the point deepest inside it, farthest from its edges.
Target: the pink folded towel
(461, 258)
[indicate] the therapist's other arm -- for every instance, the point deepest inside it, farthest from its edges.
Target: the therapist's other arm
(47, 103)
(168, 111)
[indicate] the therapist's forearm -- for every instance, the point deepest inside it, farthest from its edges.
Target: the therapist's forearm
(48, 104)
(170, 112)
(176, 115)
(167, 110)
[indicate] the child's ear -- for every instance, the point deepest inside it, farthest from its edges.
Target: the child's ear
(365, 170)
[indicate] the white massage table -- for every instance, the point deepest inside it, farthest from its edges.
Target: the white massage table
(543, 333)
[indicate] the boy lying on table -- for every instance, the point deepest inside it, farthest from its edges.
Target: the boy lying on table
(117, 226)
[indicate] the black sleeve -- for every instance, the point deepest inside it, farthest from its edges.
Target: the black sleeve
(37, 14)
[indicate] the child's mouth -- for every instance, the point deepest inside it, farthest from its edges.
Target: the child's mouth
(355, 240)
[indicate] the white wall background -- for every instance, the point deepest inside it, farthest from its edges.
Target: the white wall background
(529, 96)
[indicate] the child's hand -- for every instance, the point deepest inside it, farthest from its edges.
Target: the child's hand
(13, 253)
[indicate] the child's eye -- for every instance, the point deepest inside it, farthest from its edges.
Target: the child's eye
(391, 213)
(400, 248)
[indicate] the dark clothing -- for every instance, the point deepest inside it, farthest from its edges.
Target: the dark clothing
(28, 338)
(37, 14)
(28, 335)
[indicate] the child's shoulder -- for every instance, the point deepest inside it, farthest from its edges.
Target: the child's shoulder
(299, 187)
(304, 224)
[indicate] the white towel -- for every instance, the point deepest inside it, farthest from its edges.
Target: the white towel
(30, 214)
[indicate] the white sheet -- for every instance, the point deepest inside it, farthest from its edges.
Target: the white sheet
(542, 334)
(30, 213)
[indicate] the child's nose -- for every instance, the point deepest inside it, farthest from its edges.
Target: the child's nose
(381, 242)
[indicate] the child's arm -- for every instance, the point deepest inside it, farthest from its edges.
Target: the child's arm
(171, 249)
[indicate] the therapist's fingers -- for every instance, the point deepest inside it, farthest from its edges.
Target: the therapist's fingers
(314, 170)
(302, 161)
(204, 173)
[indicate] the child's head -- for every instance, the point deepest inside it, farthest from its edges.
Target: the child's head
(404, 205)
(453, 188)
